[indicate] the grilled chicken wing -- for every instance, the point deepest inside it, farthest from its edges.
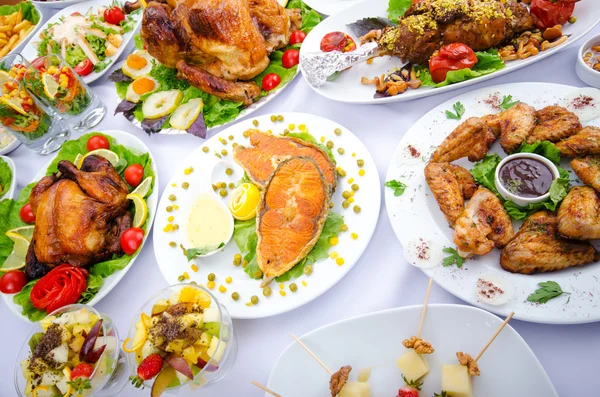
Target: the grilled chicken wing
(472, 138)
(554, 123)
(586, 141)
(537, 247)
(483, 225)
(516, 124)
(579, 214)
(588, 170)
(451, 185)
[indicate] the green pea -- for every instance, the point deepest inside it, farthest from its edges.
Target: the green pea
(254, 299)
(235, 296)
(211, 277)
(293, 287)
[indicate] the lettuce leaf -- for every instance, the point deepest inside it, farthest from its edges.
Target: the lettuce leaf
(543, 148)
(310, 18)
(397, 8)
(306, 137)
(5, 177)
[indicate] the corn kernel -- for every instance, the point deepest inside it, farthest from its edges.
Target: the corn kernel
(351, 199)
(175, 207)
(186, 275)
(170, 219)
(282, 293)
(333, 255)
(249, 304)
(333, 241)
(354, 236)
(168, 228)
(187, 171)
(302, 127)
(322, 139)
(228, 280)
(304, 283)
(210, 285)
(351, 180)
(281, 286)
(194, 268)
(353, 154)
(222, 288)
(361, 172)
(292, 126)
(339, 261)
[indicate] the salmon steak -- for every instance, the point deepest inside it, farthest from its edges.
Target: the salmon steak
(290, 215)
(267, 151)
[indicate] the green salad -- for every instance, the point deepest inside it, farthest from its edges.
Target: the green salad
(10, 219)
(6, 177)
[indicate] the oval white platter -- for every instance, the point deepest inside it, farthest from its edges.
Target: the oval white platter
(348, 88)
(326, 273)
(31, 34)
(330, 7)
(10, 193)
(133, 143)
(428, 228)
(30, 50)
(55, 4)
(375, 341)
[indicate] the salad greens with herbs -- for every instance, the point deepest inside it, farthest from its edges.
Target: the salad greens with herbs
(6, 177)
(10, 219)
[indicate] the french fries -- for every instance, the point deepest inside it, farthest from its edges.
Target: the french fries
(13, 29)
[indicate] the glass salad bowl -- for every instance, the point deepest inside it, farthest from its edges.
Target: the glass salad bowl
(181, 336)
(74, 349)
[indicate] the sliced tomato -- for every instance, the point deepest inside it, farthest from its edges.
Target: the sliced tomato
(453, 56)
(547, 13)
(84, 67)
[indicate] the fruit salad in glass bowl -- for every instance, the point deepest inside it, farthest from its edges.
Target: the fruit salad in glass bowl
(72, 352)
(181, 336)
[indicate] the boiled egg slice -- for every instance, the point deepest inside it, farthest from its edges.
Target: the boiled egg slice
(137, 64)
(584, 102)
(139, 87)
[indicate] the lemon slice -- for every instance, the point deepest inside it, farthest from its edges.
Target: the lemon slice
(141, 209)
(161, 103)
(282, 3)
(15, 103)
(50, 85)
(4, 77)
(78, 160)
(111, 156)
(185, 115)
(139, 338)
(143, 188)
(21, 236)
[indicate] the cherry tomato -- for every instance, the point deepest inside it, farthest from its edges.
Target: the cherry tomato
(547, 13)
(270, 81)
(84, 67)
(97, 142)
(453, 56)
(297, 37)
(337, 41)
(76, 14)
(114, 15)
(27, 214)
(290, 58)
(134, 174)
(131, 240)
(38, 63)
(12, 282)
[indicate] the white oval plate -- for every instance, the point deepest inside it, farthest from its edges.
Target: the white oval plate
(348, 88)
(55, 4)
(13, 182)
(417, 208)
(131, 142)
(31, 34)
(330, 7)
(30, 50)
(375, 341)
(326, 273)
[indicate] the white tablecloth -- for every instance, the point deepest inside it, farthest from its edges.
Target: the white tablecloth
(380, 280)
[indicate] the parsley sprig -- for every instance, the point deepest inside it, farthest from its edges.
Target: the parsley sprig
(507, 102)
(547, 291)
(398, 187)
(415, 384)
(79, 385)
(459, 109)
(441, 394)
(454, 258)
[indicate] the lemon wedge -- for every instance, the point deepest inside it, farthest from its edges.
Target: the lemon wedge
(161, 103)
(107, 154)
(141, 209)
(244, 201)
(78, 160)
(50, 85)
(21, 236)
(143, 188)
(4, 77)
(185, 115)
(15, 103)
(282, 3)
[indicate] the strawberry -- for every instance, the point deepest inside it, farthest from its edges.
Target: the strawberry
(82, 370)
(408, 391)
(148, 369)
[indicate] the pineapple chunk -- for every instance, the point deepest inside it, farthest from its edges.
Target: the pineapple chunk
(174, 298)
(189, 354)
(80, 328)
(149, 349)
(47, 322)
(355, 389)
(204, 340)
(216, 349)
(412, 365)
(82, 316)
(77, 343)
(456, 381)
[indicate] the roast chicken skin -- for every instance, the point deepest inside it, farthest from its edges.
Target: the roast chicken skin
(483, 225)
(516, 124)
(215, 43)
(586, 141)
(538, 247)
(554, 123)
(451, 185)
(472, 138)
(80, 216)
(579, 214)
(588, 170)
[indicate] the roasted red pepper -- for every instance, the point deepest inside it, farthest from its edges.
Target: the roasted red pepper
(453, 56)
(62, 286)
(547, 13)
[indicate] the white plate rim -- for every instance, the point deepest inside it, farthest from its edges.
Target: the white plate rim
(121, 138)
(330, 8)
(13, 182)
(56, 4)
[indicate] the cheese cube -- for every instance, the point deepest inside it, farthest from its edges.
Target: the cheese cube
(412, 365)
(355, 389)
(456, 381)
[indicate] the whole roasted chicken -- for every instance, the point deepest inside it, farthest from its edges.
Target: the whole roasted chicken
(218, 45)
(80, 216)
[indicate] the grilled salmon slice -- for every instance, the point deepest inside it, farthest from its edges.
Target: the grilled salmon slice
(267, 151)
(290, 215)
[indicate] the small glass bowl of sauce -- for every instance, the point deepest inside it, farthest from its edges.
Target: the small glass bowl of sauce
(525, 178)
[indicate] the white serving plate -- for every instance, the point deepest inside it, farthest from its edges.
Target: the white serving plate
(375, 341)
(31, 34)
(348, 88)
(417, 208)
(330, 7)
(15, 143)
(13, 182)
(131, 142)
(55, 4)
(326, 273)
(30, 50)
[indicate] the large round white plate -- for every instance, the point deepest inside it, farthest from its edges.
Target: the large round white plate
(55, 4)
(418, 221)
(131, 142)
(375, 341)
(330, 7)
(326, 272)
(13, 182)
(30, 50)
(30, 35)
(348, 88)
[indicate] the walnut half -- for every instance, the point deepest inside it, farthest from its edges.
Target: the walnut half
(339, 379)
(469, 362)
(420, 345)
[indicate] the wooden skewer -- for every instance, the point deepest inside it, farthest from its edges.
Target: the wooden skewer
(495, 335)
(424, 309)
(312, 354)
(255, 383)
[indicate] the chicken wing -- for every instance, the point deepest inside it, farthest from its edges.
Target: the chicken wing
(451, 185)
(537, 247)
(483, 225)
(586, 141)
(554, 123)
(473, 138)
(588, 170)
(579, 214)
(516, 124)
